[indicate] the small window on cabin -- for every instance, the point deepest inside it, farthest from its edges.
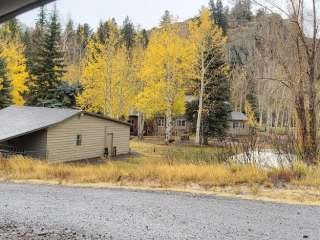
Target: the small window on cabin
(161, 122)
(181, 123)
(79, 140)
(235, 124)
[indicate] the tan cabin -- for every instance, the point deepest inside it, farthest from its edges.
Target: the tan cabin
(238, 124)
(61, 135)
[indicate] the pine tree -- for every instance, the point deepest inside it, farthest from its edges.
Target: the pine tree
(145, 38)
(218, 95)
(5, 86)
(242, 11)
(219, 14)
(128, 33)
(166, 18)
(212, 75)
(49, 70)
(104, 30)
(32, 40)
(11, 30)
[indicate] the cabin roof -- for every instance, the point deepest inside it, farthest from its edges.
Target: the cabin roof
(21, 120)
(238, 116)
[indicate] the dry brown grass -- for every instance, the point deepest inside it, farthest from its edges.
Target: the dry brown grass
(162, 166)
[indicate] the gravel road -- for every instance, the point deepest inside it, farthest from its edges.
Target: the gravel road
(53, 212)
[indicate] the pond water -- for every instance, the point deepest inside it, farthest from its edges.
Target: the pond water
(266, 158)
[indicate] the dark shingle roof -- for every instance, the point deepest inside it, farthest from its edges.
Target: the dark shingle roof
(238, 116)
(16, 121)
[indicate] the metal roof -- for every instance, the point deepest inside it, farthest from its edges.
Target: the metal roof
(12, 8)
(238, 116)
(17, 121)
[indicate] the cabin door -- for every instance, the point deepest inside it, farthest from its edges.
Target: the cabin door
(108, 146)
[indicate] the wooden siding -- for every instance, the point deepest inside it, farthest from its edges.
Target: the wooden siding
(33, 144)
(62, 138)
(238, 128)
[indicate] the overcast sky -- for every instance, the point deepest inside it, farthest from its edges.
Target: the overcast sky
(146, 13)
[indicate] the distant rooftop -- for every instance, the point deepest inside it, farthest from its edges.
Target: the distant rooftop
(238, 116)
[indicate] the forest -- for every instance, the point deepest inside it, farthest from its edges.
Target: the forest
(246, 58)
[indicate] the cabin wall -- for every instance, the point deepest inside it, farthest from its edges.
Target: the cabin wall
(33, 144)
(62, 138)
(238, 128)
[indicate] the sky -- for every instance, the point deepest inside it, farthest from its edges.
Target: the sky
(146, 13)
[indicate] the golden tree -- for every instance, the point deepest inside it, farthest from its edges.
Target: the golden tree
(206, 39)
(165, 72)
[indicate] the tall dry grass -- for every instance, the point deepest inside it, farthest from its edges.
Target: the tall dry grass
(159, 165)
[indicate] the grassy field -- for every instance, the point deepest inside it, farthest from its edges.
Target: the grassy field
(160, 166)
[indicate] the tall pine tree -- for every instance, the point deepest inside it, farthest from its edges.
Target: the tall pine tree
(241, 11)
(128, 33)
(5, 86)
(217, 92)
(49, 68)
(219, 14)
(33, 39)
(166, 18)
(212, 75)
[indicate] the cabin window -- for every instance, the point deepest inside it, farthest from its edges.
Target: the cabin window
(161, 122)
(235, 124)
(181, 123)
(79, 140)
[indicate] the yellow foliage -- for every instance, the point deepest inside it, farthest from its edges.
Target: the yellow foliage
(13, 53)
(205, 37)
(72, 74)
(165, 72)
(109, 77)
(252, 121)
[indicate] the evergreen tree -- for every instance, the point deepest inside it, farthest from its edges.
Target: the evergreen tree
(70, 40)
(218, 94)
(11, 30)
(242, 11)
(104, 29)
(145, 38)
(219, 14)
(128, 33)
(5, 86)
(83, 35)
(33, 39)
(49, 68)
(212, 75)
(166, 18)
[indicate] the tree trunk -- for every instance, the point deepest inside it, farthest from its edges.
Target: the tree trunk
(140, 126)
(301, 126)
(312, 120)
(168, 136)
(200, 108)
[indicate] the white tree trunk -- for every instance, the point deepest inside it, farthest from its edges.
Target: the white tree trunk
(140, 125)
(200, 108)
(168, 131)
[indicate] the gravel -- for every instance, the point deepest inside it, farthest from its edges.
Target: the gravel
(54, 212)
